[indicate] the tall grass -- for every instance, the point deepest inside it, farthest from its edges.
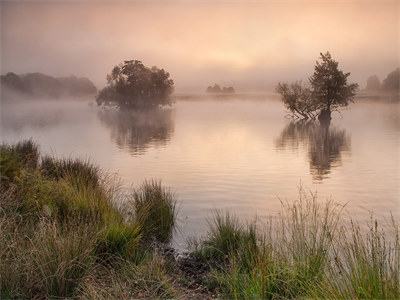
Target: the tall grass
(228, 238)
(302, 253)
(62, 235)
(155, 210)
(365, 263)
(14, 158)
(61, 230)
(80, 172)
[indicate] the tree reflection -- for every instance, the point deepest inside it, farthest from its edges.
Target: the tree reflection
(324, 145)
(137, 131)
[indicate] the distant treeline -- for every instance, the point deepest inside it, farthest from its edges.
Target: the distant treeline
(390, 84)
(217, 89)
(41, 85)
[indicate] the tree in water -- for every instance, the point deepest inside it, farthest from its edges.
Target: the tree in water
(328, 91)
(330, 88)
(133, 85)
(297, 99)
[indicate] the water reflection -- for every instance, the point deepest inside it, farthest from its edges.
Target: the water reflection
(18, 117)
(324, 144)
(137, 131)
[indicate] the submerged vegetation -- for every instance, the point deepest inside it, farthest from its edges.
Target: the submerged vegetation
(65, 233)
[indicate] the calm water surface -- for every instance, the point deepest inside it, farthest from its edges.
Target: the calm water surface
(234, 155)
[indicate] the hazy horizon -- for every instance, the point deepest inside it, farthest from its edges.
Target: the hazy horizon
(251, 46)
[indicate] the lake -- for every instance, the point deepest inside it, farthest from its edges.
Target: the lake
(238, 155)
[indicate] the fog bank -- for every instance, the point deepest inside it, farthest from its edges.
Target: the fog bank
(248, 45)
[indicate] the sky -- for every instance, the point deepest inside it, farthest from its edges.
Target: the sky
(251, 45)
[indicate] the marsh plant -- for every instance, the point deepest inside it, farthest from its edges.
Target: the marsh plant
(63, 236)
(307, 251)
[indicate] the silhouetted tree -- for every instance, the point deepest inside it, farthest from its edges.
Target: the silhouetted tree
(214, 89)
(329, 90)
(217, 89)
(329, 85)
(392, 81)
(228, 90)
(373, 83)
(133, 85)
(297, 99)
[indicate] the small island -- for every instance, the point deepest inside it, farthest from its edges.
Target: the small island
(131, 86)
(216, 89)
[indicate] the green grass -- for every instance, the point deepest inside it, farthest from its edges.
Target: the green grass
(302, 253)
(79, 172)
(62, 235)
(155, 210)
(61, 230)
(14, 158)
(227, 238)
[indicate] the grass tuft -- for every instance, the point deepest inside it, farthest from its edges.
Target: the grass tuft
(79, 172)
(63, 236)
(155, 211)
(308, 251)
(14, 158)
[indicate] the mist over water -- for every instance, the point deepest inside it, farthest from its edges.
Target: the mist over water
(250, 45)
(237, 155)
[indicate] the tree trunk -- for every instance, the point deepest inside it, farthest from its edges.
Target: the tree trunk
(324, 116)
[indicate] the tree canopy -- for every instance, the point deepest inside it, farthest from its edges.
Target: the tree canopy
(328, 90)
(133, 85)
